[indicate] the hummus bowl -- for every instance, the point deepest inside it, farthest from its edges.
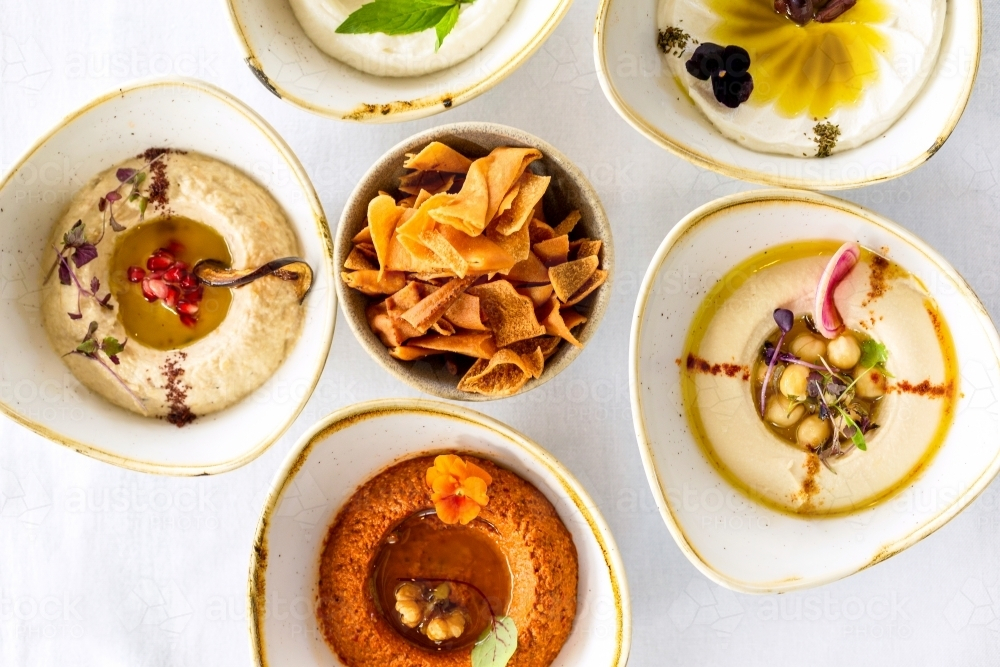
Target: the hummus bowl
(725, 519)
(568, 190)
(283, 58)
(354, 444)
(638, 81)
(39, 391)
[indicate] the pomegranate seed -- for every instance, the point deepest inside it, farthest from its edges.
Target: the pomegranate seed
(188, 320)
(147, 291)
(189, 283)
(181, 265)
(172, 297)
(175, 248)
(187, 308)
(136, 274)
(175, 274)
(157, 288)
(195, 295)
(159, 262)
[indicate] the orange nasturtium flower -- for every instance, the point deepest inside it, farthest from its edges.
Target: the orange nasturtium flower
(459, 488)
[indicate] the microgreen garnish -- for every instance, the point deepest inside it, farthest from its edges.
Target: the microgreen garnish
(109, 347)
(784, 319)
(498, 641)
(404, 17)
(874, 354)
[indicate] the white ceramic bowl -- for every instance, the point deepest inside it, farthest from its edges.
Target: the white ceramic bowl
(644, 92)
(354, 444)
(36, 388)
(733, 540)
(289, 65)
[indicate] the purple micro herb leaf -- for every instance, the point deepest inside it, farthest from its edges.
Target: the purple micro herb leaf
(105, 300)
(113, 196)
(64, 277)
(75, 316)
(95, 285)
(84, 254)
(784, 319)
(124, 174)
(814, 385)
(115, 225)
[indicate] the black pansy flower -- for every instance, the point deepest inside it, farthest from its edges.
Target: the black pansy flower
(729, 69)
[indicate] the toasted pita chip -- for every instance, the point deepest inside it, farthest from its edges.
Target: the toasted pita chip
(539, 294)
(554, 251)
(482, 254)
(401, 259)
(430, 309)
(432, 182)
(496, 380)
(443, 327)
(381, 324)
(466, 211)
(464, 313)
(552, 320)
(572, 318)
(409, 353)
(450, 257)
(368, 281)
(399, 303)
(422, 196)
(510, 316)
(531, 189)
(407, 202)
(530, 271)
(364, 236)
(436, 156)
(547, 344)
(539, 231)
(584, 248)
(568, 223)
(438, 278)
(357, 260)
(592, 283)
(508, 164)
(383, 214)
(508, 199)
(517, 245)
(569, 277)
(368, 250)
(479, 345)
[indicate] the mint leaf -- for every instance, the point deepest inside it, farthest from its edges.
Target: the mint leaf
(397, 17)
(89, 346)
(497, 644)
(445, 25)
(873, 354)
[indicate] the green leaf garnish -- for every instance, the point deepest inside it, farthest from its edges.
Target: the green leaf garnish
(111, 346)
(403, 17)
(445, 25)
(873, 354)
(88, 346)
(858, 438)
(497, 643)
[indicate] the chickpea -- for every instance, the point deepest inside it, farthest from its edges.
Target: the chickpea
(871, 384)
(793, 381)
(445, 627)
(762, 371)
(780, 413)
(843, 351)
(441, 593)
(812, 432)
(808, 347)
(411, 612)
(409, 591)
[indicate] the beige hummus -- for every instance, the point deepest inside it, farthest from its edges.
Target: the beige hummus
(877, 297)
(264, 318)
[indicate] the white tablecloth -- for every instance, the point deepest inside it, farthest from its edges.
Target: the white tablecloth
(105, 567)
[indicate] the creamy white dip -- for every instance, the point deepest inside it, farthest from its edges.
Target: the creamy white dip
(913, 33)
(401, 55)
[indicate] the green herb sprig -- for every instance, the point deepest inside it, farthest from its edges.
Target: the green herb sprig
(404, 17)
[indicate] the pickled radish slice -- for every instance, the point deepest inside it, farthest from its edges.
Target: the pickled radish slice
(826, 317)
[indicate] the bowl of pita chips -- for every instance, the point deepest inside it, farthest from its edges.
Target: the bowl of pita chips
(476, 261)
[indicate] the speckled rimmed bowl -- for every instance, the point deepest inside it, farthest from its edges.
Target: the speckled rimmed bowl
(732, 539)
(354, 444)
(36, 388)
(569, 189)
(644, 92)
(289, 65)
